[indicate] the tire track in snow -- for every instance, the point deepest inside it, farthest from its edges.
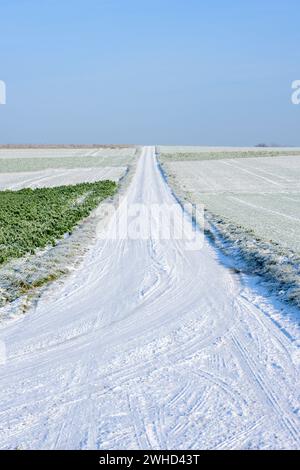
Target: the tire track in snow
(266, 391)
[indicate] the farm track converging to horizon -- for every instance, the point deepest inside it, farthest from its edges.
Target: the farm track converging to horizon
(149, 345)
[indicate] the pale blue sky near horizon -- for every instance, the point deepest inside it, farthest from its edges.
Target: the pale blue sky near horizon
(150, 71)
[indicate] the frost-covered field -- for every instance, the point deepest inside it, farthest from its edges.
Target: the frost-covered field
(58, 177)
(39, 159)
(47, 167)
(262, 194)
(63, 152)
(252, 206)
(165, 149)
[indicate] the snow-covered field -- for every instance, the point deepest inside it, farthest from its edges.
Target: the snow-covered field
(171, 149)
(261, 194)
(46, 167)
(64, 152)
(152, 345)
(58, 177)
(35, 159)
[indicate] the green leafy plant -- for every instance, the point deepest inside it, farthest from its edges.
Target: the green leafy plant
(36, 218)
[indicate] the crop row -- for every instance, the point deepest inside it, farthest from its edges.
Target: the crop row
(36, 218)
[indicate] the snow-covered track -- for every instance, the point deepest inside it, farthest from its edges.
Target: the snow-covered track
(149, 345)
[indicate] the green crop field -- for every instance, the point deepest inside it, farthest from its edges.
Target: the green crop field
(36, 218)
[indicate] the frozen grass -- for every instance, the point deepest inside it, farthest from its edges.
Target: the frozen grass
(279, 266)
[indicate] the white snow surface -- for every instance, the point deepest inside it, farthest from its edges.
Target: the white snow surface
(149, 345)
(66, 152)
(260, 194)
(58, 177)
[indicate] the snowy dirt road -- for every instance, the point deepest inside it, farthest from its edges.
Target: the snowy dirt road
(149, 345)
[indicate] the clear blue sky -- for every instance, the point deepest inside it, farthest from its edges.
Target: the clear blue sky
(150, 71)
